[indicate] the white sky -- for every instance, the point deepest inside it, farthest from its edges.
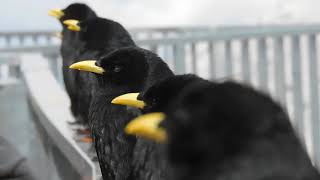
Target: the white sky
(31, 14)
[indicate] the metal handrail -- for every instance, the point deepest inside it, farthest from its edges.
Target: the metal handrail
(264, 56)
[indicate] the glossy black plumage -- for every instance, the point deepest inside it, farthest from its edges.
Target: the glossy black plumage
(149, 157)
(97, 37)
(229, 131)
(69, 48)
(160, 94)
(126, 70)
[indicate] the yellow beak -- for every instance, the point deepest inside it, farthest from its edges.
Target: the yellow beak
(147, 126)
(57, 13)
(87, 65)
(72, 25)
(129, 99)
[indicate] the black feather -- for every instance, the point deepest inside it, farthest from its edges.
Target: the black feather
(230, 131)
(126, 70)
(98, 36)
(150, 160)
(69, 48)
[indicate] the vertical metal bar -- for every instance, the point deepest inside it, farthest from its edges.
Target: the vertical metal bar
(59, 69)
(21, 40)
(48, 40)
(35, 39)
(179, 61)
(245, 60)
(1, 72)
(194, 58)
(8, 40)
(228, 60)
(314, 100)
(154, 48)
(54, 65)
(212, 62)
(14, 71)
(279, 70)
(167, 49)
(263, 64)
(297, 83)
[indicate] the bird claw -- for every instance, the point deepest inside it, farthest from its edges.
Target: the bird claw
(85, 140)
(85, 131)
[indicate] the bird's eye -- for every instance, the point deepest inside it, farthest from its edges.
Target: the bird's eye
(154, 101)
(117, 69)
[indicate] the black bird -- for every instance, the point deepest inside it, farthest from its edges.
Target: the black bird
(125, 70)
(155, 99)
(96, 36)
(149, 157)
(158, 96)
(69, 48)
(229, 131)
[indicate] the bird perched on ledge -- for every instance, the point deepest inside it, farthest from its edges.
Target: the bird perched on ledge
(157, 97)
(69, 50)
(96, 37)
(129, 69)
(229, 131)
(149, 156)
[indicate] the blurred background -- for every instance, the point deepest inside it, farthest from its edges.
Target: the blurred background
(31, 15)
(270, 44)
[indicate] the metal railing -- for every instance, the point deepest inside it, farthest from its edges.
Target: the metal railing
(9, 70)
(280, 60)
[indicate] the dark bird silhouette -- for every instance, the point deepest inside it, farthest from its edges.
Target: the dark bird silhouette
(229, 131)
(150, 160)
(69, 48)
(125, 70)
(95, 37)
(158, 97)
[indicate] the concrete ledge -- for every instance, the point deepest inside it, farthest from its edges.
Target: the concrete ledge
(51, 106)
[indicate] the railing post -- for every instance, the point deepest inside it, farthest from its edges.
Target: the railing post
(55, 66)
(8, 40)
(194, 58)
(279, 70)
(212, 62)
(263, 64)
(14, 71)
(246, 71)
(167, 49)
(297, 85)
(314, 94)
(154, 48)
(35, 39)
(21, 40)
(228, 60)
(48, 39)
(179, 61)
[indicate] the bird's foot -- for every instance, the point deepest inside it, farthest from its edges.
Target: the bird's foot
(83, 131)
(86, 139)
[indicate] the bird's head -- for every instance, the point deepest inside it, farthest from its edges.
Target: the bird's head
(155, 103)
(96, 33)
(186, 127)
(122, 67)
(76, 11)
(158, 96)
